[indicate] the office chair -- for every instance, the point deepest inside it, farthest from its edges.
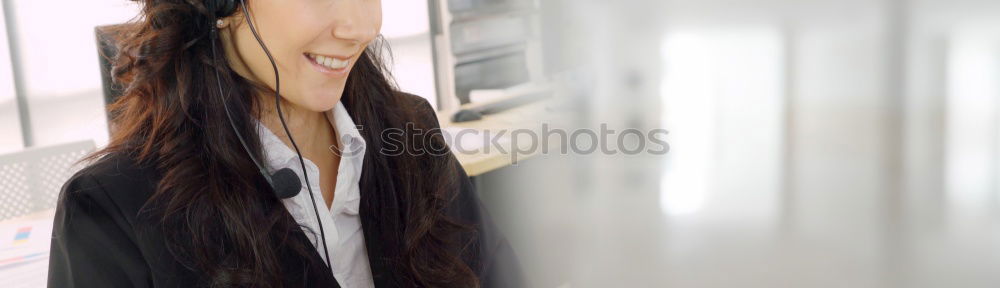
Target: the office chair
(31, 180)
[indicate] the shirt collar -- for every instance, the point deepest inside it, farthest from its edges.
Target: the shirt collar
(278, 155)
(353, 145)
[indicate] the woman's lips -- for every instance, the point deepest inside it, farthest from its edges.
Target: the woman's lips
(332, 66)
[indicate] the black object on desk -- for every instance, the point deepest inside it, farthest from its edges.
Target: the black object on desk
(477, 113)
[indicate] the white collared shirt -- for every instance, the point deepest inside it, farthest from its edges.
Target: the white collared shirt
(341, 223)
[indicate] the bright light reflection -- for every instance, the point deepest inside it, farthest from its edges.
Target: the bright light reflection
(687, 92)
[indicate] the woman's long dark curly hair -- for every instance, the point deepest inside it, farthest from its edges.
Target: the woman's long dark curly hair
(218, 213)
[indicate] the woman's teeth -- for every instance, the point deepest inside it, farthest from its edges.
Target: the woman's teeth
(331, 63)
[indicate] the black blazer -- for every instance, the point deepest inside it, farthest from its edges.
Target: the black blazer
(95, 241)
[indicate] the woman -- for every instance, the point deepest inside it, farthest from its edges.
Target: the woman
(184, 195)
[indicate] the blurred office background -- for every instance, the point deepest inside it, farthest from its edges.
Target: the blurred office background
(814, 143)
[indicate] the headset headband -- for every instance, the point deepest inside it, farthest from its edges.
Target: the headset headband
(221, 8)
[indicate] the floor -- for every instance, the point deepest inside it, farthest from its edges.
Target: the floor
(612, 229)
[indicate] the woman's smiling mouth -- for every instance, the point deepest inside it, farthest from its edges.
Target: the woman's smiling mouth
(333, 66)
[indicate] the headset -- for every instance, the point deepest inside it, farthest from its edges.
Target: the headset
(284, 182)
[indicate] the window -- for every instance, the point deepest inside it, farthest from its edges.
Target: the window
(972, 144)
(10, 122)
(58, 64)
(722, 96)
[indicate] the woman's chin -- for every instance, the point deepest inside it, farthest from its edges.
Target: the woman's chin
(322, 102)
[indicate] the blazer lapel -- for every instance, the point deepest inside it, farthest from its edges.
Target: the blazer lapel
(379, 262)
(315, 271)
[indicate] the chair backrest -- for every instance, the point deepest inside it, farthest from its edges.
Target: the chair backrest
(31, 180)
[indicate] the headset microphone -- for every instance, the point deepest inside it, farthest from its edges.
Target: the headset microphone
(285, 183)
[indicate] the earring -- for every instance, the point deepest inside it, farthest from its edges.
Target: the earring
(220, 23)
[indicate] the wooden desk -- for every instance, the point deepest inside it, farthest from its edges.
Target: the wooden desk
(40, 215)
(530, 116)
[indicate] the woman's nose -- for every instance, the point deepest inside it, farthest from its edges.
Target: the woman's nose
(353, 22)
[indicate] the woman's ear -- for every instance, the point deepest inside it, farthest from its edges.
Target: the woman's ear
(231, 21)
(237, 18)
(234, 16)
